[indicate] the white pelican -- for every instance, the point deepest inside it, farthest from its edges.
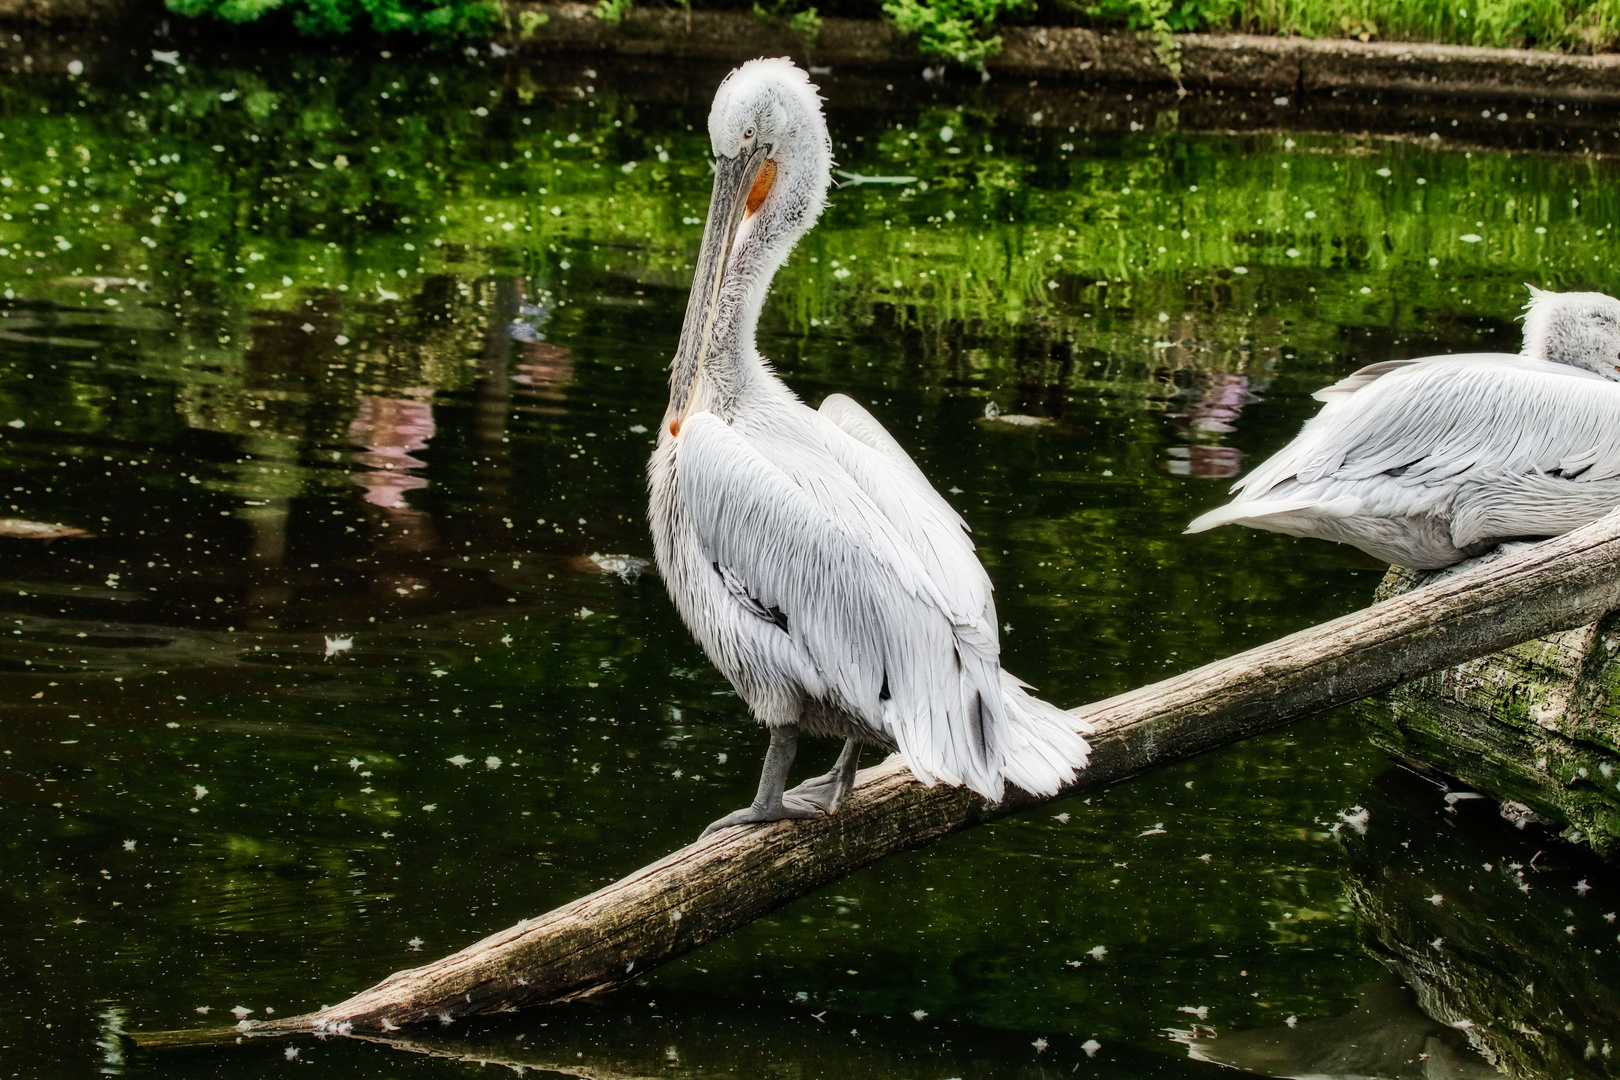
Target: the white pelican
(1427, 462)
(806, 552)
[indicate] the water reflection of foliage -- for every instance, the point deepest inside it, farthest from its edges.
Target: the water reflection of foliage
(330, 187)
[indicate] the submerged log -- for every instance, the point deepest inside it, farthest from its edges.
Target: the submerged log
(714, 886)
(1503, 937)
(1535, 726)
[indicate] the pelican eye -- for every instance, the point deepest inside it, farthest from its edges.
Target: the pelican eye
(748, 133)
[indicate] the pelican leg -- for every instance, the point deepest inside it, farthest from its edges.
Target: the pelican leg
(826, 792)
(768, 804)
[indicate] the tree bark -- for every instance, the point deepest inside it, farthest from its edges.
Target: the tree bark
(714, 886)
(1536, 726)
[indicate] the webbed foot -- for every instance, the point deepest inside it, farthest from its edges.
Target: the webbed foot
(752, 815)
(827, 791)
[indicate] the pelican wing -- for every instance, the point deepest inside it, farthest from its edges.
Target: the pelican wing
(1426, 422)
(783, 523)
(931, 527)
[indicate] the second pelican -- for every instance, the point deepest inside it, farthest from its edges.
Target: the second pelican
(1423, 463)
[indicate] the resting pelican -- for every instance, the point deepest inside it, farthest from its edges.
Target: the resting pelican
(806, 552)
(1427, 462)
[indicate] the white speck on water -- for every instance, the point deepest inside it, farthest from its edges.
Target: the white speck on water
(415, 943)
(342, 339)
(1071, 963)
(291, 1053)
(1356, 817)
(200, 790)
(129, 845)
(1240, 269)
(1609, 918)
(1582, 887)
(1091, 1046)
(586, 613)
(1437, 942)
(430, 807)
(1040, 1045)
(1063, 818)
(204, 1009)
(638, 429)
(1205, 858)
(492, 762)
(241, 1012)
(1098, 953)
(1470, 238)
(459, 760)
(919, 1014)
(445, 1018)
(946, 134)
(335, 644)
(952, 490)
(1291, 1021)
(1436, 899)
(1164, 316)
(1157, 830)
(438, 671)
(1570, 930)
(1200, 1011)
(801, 996)
(355, 763)
(1383, 172)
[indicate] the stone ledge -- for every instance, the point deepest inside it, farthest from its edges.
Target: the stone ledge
(1236, 62)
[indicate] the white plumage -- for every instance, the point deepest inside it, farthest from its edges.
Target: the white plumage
(1426, 462)
(818, 568)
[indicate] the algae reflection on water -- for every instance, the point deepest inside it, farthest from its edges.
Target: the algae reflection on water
(350, 364)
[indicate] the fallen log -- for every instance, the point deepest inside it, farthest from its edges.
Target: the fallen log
(712, 887)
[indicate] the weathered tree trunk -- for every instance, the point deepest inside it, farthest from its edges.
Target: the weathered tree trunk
(1535, 726)
(716, 885)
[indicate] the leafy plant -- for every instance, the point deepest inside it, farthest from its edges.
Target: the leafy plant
(612, 11)
(530, 21)
(805, 22)
(444, 18)
(958, 30)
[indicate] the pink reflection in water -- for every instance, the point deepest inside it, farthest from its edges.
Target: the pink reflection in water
(1219, 403)
(1205, 462)
(391, 429)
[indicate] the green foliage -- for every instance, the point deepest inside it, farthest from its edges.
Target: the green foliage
(805, 22)
(530, 21)
(957, 30)
(442, 18)
(612, 11)
(1575, 25)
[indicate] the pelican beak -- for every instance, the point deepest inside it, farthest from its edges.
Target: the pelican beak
(740, 185)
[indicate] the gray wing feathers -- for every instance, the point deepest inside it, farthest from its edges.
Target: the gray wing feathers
(856, 601)
(1528, 504)
(1359, 379)
(1438, 418)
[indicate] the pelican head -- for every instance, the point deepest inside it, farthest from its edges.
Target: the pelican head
(772, 165)
(1581, 329)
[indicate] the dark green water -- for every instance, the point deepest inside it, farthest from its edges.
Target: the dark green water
(329, 349)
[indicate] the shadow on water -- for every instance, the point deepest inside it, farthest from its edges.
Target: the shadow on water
(349, 365)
